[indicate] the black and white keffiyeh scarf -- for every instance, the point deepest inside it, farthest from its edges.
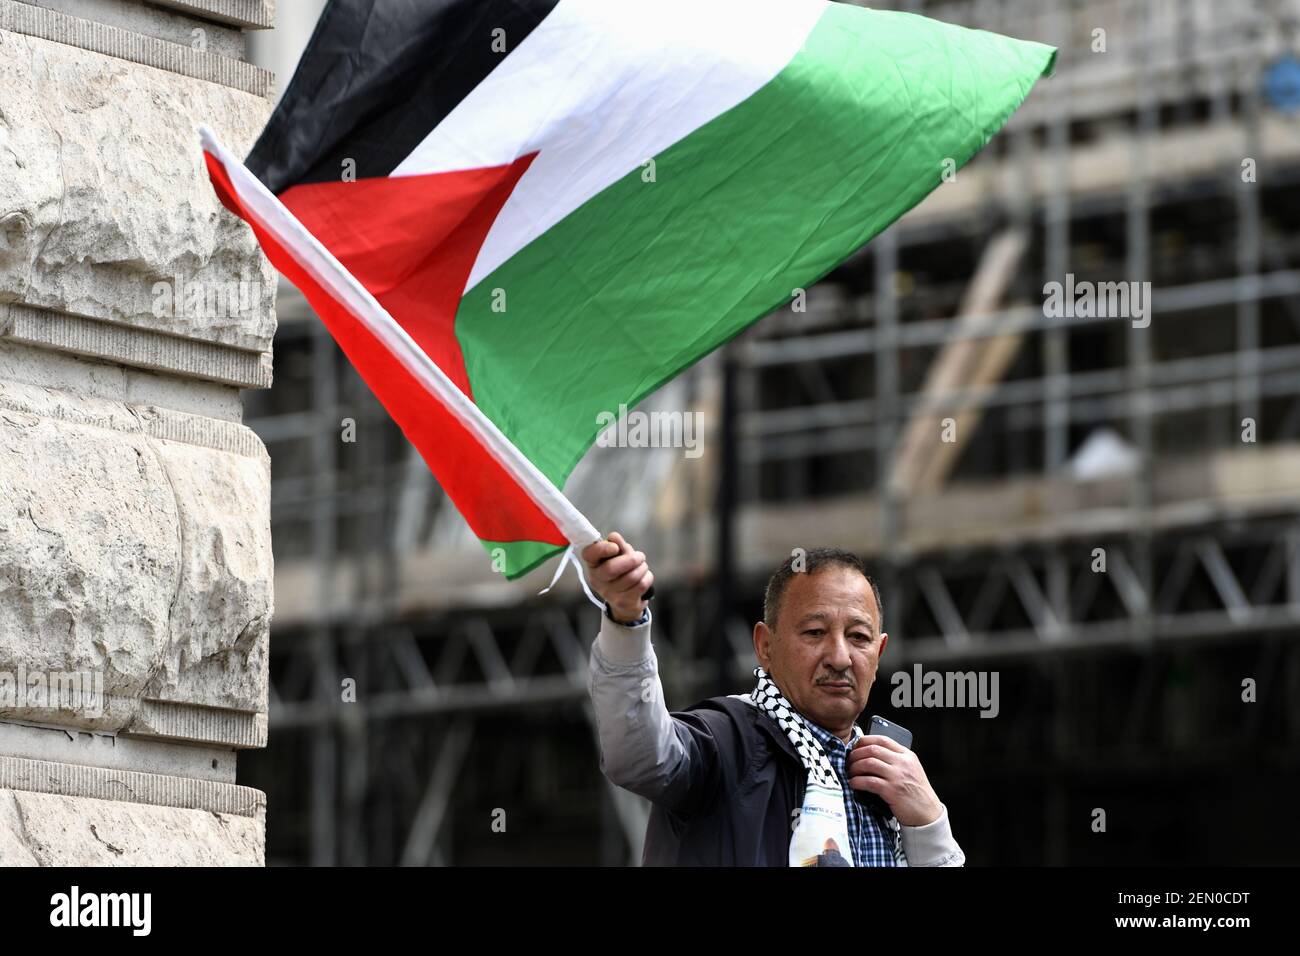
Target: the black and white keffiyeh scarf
(821, 834)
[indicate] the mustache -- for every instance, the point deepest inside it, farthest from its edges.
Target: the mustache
(837, 679)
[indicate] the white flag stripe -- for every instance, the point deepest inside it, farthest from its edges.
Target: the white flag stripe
(599, 88)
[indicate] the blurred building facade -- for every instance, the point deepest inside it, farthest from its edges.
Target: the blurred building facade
(1103, 510)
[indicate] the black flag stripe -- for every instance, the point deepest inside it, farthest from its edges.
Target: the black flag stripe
(377, 77)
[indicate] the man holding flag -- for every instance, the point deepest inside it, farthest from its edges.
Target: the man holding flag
(782, 775)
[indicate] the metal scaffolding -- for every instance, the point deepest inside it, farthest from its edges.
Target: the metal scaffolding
(1128, 165)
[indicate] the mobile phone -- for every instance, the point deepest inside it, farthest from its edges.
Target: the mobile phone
(893, 731)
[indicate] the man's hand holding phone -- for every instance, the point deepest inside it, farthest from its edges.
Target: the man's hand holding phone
(881, 765)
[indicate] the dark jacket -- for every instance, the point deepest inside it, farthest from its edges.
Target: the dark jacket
(745, 755)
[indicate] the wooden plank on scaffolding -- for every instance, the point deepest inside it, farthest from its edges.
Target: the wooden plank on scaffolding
(927, 450)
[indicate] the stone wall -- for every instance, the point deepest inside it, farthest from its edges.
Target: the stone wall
(135, 549)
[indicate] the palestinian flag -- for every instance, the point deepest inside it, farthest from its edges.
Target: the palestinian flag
(514, 215)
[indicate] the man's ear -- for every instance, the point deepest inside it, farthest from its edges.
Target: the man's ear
(763, 638)
(884, 640)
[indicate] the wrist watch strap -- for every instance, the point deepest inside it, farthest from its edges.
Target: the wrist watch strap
(645, 616)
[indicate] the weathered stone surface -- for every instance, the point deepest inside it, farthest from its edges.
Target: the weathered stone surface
(123, 43)
(93, 338)
(116, 752)
(14, 850)
(167, 720)
(89, 555)
(248, 13)
(39, 829)
(129, 786)
(176, 26)
(135, 550)
(28, 365)
(105, 208)
(143, 558)
(220, 615)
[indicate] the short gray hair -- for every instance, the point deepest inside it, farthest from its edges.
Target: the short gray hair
(810, 562)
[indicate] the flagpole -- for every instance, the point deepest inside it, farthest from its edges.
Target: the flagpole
(333, 276)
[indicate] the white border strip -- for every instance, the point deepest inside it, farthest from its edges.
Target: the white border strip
(320, 263)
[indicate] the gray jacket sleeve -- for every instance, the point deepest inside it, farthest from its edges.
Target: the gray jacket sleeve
(671, 762)
(932, 844)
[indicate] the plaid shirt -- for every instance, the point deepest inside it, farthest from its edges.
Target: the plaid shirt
(875, 842)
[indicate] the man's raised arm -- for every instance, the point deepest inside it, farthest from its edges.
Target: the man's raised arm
(672, 762)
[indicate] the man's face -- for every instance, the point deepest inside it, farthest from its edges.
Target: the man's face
(825, 647)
